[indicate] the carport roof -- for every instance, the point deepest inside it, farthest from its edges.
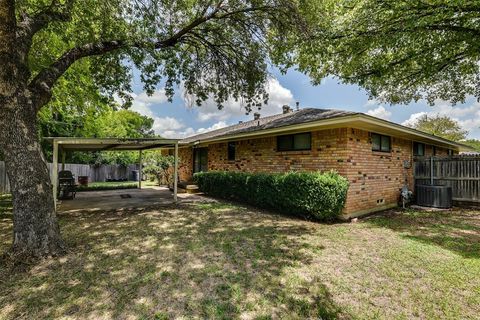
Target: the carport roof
(110, 144)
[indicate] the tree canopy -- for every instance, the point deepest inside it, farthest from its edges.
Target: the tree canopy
(441, 126)
(398, 50)
(94, 122)
(213, 48)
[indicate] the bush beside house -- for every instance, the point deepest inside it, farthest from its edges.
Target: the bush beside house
(316, 195)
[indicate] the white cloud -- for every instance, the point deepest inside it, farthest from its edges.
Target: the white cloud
(170, 127)
(410, 122)
(158, 96)
(167, 127)
(278, 96)
(218, 125)
(142, 102)
(184, 132)
(372, 102)
(380, 112)
(467, 116)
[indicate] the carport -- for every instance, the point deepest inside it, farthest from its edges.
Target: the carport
(63, 145)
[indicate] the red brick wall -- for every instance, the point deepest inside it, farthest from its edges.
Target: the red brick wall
(185, 168)
(329, 148)
(375, 177)
(185, 162)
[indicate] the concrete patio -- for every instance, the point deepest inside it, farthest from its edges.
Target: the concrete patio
(125, 199)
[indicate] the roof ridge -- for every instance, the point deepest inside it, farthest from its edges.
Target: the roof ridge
(240, 124)
(278, 120)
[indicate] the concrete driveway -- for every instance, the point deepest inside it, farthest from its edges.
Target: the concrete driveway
(125, 199)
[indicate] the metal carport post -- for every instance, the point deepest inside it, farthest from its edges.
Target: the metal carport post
(54, 173)
(175, 173)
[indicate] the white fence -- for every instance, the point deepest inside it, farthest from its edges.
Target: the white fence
(95, 173)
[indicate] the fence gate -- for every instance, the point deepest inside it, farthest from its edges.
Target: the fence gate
(462, 173)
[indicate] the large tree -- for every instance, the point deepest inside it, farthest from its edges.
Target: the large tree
(398, 50)
(216, 49)
(441, 126)
(474, 143)
(93, 121)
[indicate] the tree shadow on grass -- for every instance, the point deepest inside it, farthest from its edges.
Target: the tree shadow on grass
(200, 260)
(456, 230)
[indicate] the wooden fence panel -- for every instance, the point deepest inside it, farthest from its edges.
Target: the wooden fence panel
(4, 184)
(99, 173)
(462, 173)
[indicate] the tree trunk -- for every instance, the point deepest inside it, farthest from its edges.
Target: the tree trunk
(35, 227)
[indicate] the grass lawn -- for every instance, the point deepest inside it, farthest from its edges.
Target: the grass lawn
(225, 261)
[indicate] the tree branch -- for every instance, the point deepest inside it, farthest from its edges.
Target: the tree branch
(56, 11)
(43, 83)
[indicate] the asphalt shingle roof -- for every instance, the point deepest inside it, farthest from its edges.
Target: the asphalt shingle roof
(275, 121)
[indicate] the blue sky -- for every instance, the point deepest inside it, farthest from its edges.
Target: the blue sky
(180, 118)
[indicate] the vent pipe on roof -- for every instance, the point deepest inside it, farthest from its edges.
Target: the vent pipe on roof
(286, 109)
(256, 116)
(297, 105)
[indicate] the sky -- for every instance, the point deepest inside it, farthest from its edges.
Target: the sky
(179, 118)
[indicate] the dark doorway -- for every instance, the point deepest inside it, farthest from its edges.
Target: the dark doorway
(200, 160)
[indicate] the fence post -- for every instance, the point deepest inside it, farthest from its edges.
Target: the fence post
(431, 170)
(140, 170)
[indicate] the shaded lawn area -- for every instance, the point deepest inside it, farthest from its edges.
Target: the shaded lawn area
(220, 260)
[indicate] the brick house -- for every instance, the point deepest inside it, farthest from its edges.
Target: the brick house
(375, 155)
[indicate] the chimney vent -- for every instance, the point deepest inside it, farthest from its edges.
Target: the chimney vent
(239, 122)
(298, 105)
(286, 109)
(256, 116)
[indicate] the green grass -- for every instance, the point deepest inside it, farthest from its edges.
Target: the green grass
(97, 186)
(5, 204)
(223, 261)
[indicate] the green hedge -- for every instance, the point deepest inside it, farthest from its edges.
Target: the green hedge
(102, 186)
(315, 195)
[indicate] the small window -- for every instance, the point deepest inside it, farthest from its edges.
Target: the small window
(418, 149)
(291, 142)
(231, 151)
(381, 143)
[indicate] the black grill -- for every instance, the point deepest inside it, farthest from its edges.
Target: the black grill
(434, 196)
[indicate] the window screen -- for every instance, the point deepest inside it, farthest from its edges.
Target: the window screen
(418, 149)
(290, 142)
(381, 142)
(231, 151)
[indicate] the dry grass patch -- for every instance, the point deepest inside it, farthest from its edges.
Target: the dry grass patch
(224, 261)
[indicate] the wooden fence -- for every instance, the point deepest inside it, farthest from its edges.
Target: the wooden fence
(95, 173)
(4, 184)
(462, 173)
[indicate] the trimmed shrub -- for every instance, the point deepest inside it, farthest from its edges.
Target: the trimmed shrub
(102, 186)
(316, 195)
